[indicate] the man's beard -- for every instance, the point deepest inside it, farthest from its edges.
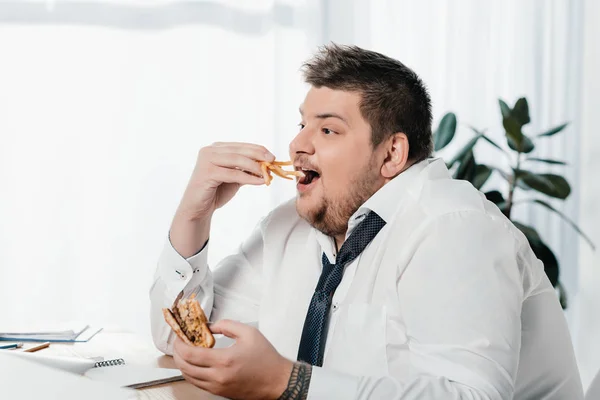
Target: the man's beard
(332, 215)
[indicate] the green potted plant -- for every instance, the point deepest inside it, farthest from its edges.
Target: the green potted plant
(465, 166)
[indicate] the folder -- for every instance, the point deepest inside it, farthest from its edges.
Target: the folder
(58, 333)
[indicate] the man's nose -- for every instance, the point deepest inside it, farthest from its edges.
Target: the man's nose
(302, 143)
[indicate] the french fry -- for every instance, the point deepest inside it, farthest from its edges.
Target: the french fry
(299, 174)
(275, 167)
(280, 172)
(265, 172)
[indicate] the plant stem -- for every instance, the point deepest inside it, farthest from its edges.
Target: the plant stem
(512, 187)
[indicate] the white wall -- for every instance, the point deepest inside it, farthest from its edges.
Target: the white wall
(587, 337)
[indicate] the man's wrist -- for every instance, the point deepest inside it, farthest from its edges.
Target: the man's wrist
(298, 382)
(188, 236)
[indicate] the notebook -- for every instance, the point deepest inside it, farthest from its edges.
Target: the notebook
(23, 379)
(115, 372)
(118, 373)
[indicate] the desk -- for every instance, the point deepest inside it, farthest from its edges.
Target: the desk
(134, 349)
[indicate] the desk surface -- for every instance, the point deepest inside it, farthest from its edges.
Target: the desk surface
(134, 350)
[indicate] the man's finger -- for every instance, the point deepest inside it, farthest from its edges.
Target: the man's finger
(209, 386)
(233, 160)
(236, 176)
(255, 152)
(231, 329)
(198, 356)
(198, 372)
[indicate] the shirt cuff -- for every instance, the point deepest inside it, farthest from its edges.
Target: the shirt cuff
(199, 251)
(178, 273)
(326, 384)
(199, 264)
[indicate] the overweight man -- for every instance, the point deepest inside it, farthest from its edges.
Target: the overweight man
(383, 278)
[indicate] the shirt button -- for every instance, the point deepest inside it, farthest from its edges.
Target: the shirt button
(335, 306)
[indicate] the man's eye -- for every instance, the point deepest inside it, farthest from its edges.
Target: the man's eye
(301, 126)
(327, 131)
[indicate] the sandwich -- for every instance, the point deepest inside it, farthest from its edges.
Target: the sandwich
(189, 322)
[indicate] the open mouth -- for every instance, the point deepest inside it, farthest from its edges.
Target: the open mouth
(309, 177)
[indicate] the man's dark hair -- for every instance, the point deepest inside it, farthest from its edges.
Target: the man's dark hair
(393, 97)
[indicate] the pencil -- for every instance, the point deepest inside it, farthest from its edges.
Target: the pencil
(36, 348)
(11, 346)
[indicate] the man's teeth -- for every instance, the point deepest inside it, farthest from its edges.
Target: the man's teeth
(309, 175)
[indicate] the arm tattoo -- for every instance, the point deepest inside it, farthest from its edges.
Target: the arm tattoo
(297, 388)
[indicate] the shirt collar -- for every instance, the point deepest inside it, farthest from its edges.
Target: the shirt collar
(384, 202)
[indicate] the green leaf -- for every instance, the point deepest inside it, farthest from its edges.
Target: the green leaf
(512, 128)
(466, 149)
(513, 121)
(466, 169)
(504, 108)
(521, 111)
(514, 136)
(554, 130)
(526, 145)
(490, 141)
(549, 184)
(569, 221)
(546, 160)
(541, 251)
(445, 131)
(487, 139)
(495, 197)
(530, 233)
(482, 174)
(507, 178)
(546, 256)
(562, 295)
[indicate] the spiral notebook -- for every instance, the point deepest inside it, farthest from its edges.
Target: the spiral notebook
(24, 379)
(118, 373)
(115, 372)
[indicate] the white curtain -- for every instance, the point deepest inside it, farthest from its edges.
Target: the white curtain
(472, 52)
(104, 105)
(587, 314)
(103, 108)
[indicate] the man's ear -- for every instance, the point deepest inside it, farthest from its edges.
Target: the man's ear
(396, 156)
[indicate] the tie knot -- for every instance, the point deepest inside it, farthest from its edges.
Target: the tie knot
(360, 237)
(358, 240)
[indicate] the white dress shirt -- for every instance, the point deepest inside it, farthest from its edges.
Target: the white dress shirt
(447, 302)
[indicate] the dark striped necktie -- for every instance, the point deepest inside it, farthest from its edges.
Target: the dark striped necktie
(314, 333)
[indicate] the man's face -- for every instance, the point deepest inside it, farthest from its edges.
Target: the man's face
(334, 149)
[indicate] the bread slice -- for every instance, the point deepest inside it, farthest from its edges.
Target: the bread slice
(170, 318)
(189, 322)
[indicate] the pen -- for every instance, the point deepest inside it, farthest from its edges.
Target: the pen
(36, 348)
(11, 346)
